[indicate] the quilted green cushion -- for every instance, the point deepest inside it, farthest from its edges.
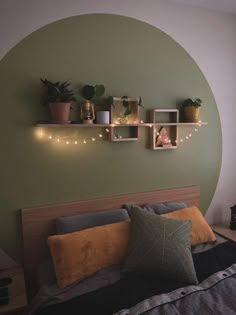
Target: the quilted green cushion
(160, 247)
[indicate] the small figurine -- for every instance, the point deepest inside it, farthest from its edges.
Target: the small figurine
(163, 139)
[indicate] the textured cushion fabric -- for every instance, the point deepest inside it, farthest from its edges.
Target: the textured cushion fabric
(201, 232)
(159, 247)
(79, 254)
(84, 221)
(161, 208)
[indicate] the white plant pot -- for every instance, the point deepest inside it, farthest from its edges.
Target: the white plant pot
(103, 117)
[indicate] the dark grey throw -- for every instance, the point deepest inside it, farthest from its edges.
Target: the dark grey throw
(216, 295)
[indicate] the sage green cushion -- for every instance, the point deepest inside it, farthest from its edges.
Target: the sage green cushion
(160, 247)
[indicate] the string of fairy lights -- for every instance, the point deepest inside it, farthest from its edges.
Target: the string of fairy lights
(44, 134)
(64, 139)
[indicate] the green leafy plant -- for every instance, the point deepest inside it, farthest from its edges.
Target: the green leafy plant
(58, 92)
(88, 92)
(196, 102)
(126, 104)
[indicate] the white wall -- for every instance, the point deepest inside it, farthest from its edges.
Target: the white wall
(208, 36)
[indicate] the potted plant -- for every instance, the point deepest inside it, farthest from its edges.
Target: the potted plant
(90, 94)
(125, 107)
(191, 109)
(59, 97)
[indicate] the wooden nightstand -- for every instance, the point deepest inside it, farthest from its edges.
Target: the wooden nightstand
(17, 296)
(225, 231)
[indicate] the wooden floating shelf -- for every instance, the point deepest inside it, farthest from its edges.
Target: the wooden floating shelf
(118, 125)
(124, 139)
(166, 148)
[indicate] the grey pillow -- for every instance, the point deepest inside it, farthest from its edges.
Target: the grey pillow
(80, 222)
(160, 247)
(165, 207)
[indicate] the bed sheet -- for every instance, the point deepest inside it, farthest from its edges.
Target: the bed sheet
(111, 279)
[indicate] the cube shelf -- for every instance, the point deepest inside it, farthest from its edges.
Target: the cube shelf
(164, 136)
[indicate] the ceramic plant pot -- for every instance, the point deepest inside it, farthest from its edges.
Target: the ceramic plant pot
(60, 113)
(103, 117)
(191, 114)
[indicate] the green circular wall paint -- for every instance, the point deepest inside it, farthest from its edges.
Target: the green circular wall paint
(130, 58)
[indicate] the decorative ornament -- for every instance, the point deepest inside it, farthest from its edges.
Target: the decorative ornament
(163, 139)
(87, 112)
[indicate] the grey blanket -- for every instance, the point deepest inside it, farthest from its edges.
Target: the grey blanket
(215, 295)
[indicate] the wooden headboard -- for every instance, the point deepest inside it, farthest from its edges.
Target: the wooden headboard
(39, 222)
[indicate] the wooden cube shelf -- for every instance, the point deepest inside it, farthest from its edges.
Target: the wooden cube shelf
(124, 128)
(164, 132)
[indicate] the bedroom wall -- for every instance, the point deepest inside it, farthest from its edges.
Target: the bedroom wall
(168, 17)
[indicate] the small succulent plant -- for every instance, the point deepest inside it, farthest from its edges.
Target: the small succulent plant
(196, 102)
(58, 92)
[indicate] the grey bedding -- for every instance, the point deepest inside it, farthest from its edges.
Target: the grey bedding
(215, 295)
(50, 294)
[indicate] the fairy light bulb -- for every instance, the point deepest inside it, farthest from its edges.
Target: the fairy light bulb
(181, 140)
(190, 135)
(107, 130)
(100, 135)
(196, 130)
(67, 142)
(93, 139)
(84, 141)
(50, 137)
(186, 137)
(76, 142)
(141, 121)
(40, 133)
(58, 140)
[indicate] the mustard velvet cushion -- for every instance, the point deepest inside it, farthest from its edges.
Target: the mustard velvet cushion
(79, 254)
(201, 232)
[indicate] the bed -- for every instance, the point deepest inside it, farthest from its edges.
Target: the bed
(127, 283)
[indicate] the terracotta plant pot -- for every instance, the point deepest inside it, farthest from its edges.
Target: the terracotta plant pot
(60, 113)
(191, 114)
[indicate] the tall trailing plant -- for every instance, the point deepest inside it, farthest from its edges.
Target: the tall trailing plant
(126, 104)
